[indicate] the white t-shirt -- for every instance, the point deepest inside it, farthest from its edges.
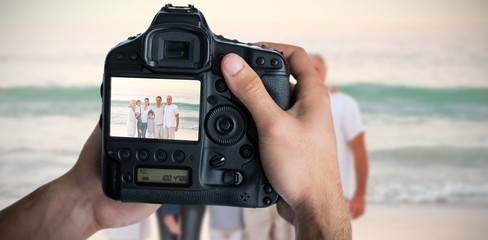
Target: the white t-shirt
(144, 113)
(137, 110)
(170, 112)
(131, 122)
(158, 115)
(347, 125)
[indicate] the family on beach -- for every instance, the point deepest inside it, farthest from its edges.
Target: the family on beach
(160, 121)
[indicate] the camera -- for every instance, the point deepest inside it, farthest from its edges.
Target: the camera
(189, 140)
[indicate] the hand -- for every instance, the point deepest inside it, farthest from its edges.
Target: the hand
(297, 146)
(172, 225)
(86, 176)
(357, 206)
(72, 206)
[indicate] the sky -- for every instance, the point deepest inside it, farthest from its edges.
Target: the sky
(135, 88)
(352, 12)
(37, 35)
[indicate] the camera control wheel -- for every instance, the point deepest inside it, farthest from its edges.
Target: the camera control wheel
(225, 125)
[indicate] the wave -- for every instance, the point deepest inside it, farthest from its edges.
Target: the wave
(51, 93)
(429, 175)
(435, 155)
(49, 100)
(457, 103)
(182, 106)
(374, 99)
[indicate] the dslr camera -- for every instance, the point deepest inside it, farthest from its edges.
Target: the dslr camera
(189, 140)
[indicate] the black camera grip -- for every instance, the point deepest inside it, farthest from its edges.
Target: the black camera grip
(278, 87)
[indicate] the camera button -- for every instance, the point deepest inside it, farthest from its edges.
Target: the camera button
(110, 152)
(178, 156)
(160, 155)
(119, 55)
(212, 100)
(260, 61)
(275, 62)
(133, 56)
(142, 155)
(267, 201)
(127, 177)
(268, 189)
(124, 154)
(217, 160)
(224, 125)
(246, 151)
(220, 85)
(232, 177)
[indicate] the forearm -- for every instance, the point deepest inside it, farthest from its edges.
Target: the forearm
(53, 211)
(362, 170)
(361, 165)
(72, 206)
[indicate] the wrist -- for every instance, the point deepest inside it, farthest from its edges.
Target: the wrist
(69, 211)
(319, 222)
(53, 211)
(324, 212)
(359, 194)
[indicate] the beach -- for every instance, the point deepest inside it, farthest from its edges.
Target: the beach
(391, 221)
(421, 86)
(423, 221)
(402, 222)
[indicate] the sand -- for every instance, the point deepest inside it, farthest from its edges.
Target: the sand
(444, 221)
(399, 222)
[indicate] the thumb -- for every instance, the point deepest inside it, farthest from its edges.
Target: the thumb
(247, 86)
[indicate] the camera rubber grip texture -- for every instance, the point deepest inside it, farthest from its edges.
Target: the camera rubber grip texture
(278, 87)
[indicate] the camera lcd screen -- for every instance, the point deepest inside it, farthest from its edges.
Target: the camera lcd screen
(168, 176)
(155, 108)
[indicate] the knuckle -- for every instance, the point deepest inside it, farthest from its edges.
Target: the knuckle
(251, 86)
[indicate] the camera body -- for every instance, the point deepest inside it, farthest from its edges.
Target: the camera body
(201, 145)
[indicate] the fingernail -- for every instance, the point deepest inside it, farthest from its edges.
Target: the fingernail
(233, 64)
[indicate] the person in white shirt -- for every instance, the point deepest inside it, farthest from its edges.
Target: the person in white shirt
(131, 119)
(171, 119)
(144, 113)
(137, 111)
(158, 111)
(351, 147)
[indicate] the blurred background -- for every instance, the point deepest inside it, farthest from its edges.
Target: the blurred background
(418, 69)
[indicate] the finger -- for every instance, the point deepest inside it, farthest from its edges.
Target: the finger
(246, 85)
(309, 85)
(285, 211)
(299, 61)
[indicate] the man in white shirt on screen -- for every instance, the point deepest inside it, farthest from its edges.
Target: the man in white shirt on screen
(158, 111)
(171, 119)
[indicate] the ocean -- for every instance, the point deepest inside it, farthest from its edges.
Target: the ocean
(423, 98)
(425, 144)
